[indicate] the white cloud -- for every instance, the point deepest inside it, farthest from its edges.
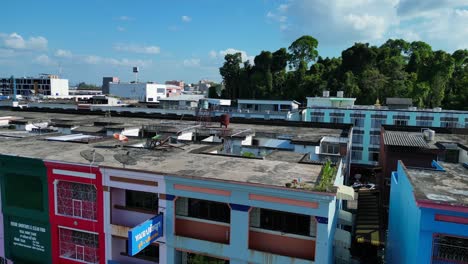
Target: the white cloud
(6, 53)
(213, 54)
(244, 55)
(125, 18)
(186, 19)
(44, 60)
(441, 23)
(95, 60)
(121, 29)
(137, 48)
(192, 62)
(63, 53)
(16, 41)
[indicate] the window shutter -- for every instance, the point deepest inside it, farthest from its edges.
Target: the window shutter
(182, 206)
(313, 227)
(255, 217)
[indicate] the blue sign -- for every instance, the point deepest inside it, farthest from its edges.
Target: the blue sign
(144, 234)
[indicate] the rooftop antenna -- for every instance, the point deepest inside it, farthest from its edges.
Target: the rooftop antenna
(92, 156)
(125, 159)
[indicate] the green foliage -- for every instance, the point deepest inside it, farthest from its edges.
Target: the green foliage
(248, 155)
(395, 69)
(327, 176)
(86, 86)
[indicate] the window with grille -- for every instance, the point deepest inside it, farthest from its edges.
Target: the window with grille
(76, 200)
(79, 245)
(328, 148)
(448, 249)
(317, 117)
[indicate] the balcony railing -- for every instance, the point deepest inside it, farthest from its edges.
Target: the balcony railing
(278, 243)
(202, 229)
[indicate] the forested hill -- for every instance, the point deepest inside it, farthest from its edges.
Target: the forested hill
(395, 69)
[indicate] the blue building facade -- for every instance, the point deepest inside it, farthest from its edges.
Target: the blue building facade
(368, 119)
(428, 222)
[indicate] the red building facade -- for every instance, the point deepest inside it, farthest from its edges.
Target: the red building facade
(76, 213)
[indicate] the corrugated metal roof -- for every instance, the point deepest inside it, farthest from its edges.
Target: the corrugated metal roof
(404, 139)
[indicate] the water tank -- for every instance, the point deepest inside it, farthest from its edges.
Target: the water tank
(224, 120)
(326, 93)
(339, 94)
(429, 134)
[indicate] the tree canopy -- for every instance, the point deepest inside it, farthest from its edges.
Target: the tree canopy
(395, 69)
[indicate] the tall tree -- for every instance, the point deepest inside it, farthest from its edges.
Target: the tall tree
(303, 49)
(230, 71)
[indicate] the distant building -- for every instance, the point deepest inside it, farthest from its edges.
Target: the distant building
(106, 81)
(204, 85)
(45, 84)
(267, 105)
(367, 120)
(173, 90)
(180, 102)
(428, 214)
(143, 92)
(181, 84)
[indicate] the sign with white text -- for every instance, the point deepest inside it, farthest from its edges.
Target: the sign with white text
(144, 234)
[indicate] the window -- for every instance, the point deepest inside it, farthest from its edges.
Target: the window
(336, 118)
(358, 136)
(141, 200)
(399, 122)
(203, 209)
(150, 99)
(449, 249)
(356, 155)
(373, 156)
(76, 199)
(357, 122)
(449, 122)
(32, 186)
(328, 148)
(317, 117)
(192, 258)
(378, 120)
(285, 222)
(375, 137)
(161, 91)
(150, 253)
(79, 245)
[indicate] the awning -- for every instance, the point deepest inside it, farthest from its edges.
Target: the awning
(345, 218)
(345, 193)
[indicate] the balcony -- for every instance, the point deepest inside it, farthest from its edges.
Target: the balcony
(278, 243)
(202, 229)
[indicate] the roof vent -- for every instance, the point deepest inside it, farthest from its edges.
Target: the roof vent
(429, 135)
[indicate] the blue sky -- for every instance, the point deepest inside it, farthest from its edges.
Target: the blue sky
(187, 40)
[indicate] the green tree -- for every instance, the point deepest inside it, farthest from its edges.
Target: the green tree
(303, 49)
(230, 71)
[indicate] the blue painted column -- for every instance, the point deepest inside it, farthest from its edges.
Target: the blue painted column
(167, 250)
(321, 242)
(239, 237)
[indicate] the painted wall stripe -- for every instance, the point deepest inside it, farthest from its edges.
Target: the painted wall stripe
(264, 198)
(134, 181)
(451, 219)
(202, 190)
(74, 173)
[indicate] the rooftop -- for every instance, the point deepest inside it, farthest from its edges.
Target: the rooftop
(416, 139)
(442, 187)
(179, 159)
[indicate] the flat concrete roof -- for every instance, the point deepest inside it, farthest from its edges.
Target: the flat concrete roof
(444, 187)
(184, 160)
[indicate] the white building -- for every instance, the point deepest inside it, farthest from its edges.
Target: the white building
(143, 92)
(45, 84)
(327, 101)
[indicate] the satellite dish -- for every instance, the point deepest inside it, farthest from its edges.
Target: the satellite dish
(91, 156)
(125, 159)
